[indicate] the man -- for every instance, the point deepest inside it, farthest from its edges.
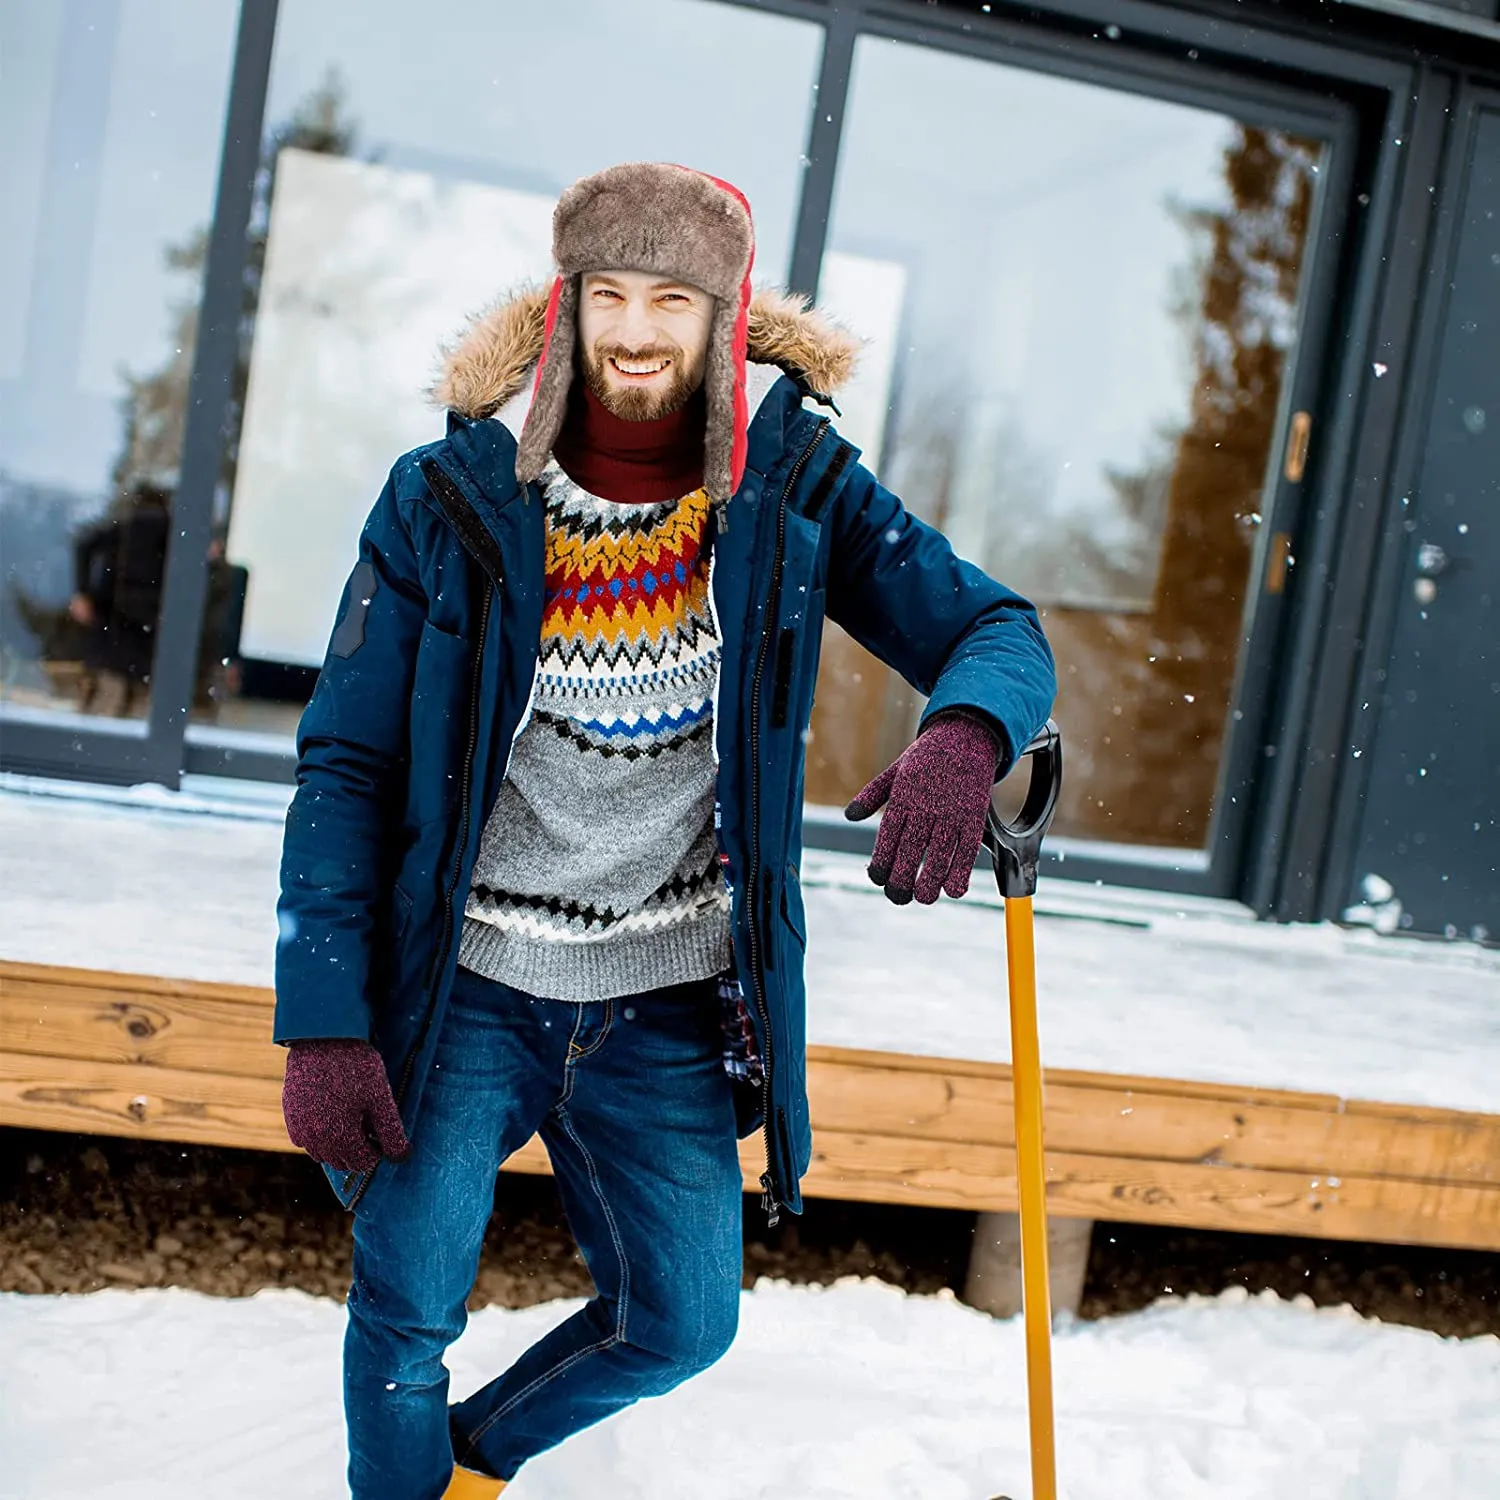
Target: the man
(540, 872)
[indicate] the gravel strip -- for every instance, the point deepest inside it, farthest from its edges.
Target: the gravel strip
(1452, 1292)
(80, 1213)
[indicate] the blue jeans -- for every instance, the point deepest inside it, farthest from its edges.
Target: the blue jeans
(634, 1106)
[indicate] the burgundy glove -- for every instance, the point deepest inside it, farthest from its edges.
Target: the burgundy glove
(939, 796)
(338, 1106)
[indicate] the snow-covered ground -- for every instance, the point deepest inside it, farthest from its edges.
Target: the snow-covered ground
(851, 1391)
(1130, 982)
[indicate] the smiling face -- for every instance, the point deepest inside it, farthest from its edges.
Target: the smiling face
(643, 339)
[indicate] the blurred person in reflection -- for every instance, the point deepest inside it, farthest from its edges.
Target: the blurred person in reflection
(118, 567)
(540, 871)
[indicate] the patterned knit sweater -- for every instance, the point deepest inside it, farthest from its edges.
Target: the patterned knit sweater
(598, 872)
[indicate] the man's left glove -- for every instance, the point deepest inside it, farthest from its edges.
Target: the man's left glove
(936, 799)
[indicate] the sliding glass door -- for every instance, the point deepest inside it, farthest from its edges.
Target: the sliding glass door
(1084, 308)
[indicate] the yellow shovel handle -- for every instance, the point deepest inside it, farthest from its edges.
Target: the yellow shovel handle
(1026, 1072)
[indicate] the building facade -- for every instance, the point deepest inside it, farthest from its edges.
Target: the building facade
(1182, 319)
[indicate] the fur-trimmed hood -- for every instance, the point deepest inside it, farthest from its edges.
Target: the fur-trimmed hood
(493, 359)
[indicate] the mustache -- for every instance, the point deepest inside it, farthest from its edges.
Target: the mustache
(654, 350)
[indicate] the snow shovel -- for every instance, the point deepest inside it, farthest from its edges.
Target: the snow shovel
(1015, 849)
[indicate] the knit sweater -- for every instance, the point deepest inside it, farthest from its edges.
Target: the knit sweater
(598, 871)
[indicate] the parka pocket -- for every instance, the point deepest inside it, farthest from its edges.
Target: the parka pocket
(347, 1185)
(792, 913)
(392, 942)
(400, 915)
(439, 720)
(799, 628)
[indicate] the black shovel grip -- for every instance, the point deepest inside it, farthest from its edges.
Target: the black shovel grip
(1016, 848)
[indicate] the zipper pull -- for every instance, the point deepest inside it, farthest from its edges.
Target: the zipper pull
(768, 1204)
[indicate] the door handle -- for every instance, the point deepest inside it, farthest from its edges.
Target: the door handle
(1299, 440)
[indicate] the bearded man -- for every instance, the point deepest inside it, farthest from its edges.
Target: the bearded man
(540, 871)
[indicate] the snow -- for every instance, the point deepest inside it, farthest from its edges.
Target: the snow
(1131, 983)
(1312, 1009)
(855, 1390)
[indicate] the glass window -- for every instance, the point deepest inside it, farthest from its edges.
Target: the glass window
(1080, 304)
(412, 170)
(112, 116)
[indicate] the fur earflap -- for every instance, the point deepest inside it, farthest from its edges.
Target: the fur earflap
(493, 358)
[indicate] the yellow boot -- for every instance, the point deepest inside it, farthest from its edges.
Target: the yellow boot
(467, 1485)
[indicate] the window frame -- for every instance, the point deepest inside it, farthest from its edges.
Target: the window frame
(35, 743)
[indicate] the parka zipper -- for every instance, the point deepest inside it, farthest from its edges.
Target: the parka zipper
(464, 788)
(754, 884)
(440, 959)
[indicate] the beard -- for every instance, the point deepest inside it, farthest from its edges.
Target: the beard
(636, 403)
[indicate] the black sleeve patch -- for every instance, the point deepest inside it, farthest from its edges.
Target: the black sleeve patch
(813, 510)
(358, 594)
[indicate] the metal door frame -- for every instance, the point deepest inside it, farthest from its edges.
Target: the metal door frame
(1391, 541)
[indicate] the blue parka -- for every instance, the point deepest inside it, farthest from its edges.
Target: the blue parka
(428, 676)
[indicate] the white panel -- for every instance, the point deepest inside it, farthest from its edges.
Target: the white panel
(866, 296)
(368, 271)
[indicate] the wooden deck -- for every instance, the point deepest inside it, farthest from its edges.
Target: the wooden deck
(122, 1054)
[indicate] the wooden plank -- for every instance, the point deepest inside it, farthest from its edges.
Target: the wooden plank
(947, 1175)
(1154, 1120)
(102, 1098)
(154, 984)
(873, 1170)
(883, 1170)
(1187, 1087)
(224, 1029)
(189, 1029)
(177, 1060)
(111, 1099)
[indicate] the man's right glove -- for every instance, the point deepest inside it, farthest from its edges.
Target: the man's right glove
(936, 798)
(338, 1105)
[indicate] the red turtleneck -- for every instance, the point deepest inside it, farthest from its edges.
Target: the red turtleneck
(634, 463)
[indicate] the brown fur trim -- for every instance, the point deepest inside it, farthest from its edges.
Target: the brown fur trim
(491, 359)
(786, 331)
(494, 357)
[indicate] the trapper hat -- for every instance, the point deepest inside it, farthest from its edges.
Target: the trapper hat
(677, 222)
